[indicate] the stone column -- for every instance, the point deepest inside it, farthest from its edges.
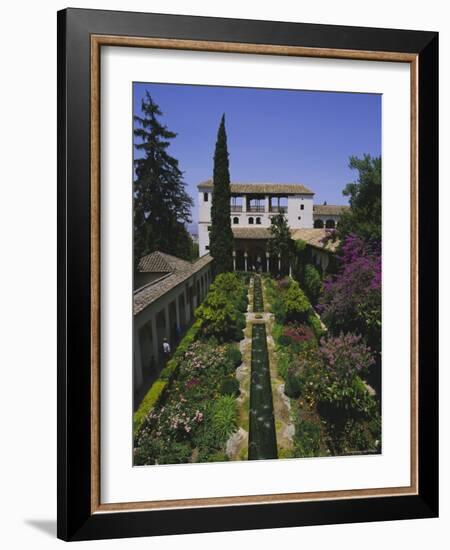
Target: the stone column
(155, 339)
(267, 262)
(279, 263)
(177, 311)
(138, 371)
(245, 260)
(244, 203)
(234, 260)
(167, 322)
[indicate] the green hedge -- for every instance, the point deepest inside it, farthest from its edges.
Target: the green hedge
(151, 399)
(159, 386)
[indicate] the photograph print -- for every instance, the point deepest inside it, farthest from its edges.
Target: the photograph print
(257, 274)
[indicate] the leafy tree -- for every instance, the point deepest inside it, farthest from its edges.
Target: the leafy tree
(221, 235)
(281, 242)
(161, 205)
(364, 217)
(296, 304)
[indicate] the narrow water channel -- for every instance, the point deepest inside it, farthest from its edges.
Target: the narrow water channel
(262, 437)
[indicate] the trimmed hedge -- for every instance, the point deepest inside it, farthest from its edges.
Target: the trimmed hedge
(151, 399)
(157, 390)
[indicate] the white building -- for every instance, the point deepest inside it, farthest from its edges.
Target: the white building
(327, 215)
(252, 207)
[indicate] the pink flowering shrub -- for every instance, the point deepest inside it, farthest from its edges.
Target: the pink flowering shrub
(342, 358)
(351, 300)
(332, 372)
(174, 429)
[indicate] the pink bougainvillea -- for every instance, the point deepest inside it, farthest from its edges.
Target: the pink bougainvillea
(351, 300)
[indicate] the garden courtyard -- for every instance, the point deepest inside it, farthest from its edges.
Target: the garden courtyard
(259, 375)
(261, 339)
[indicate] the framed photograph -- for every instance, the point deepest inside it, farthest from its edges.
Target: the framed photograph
(248, 302)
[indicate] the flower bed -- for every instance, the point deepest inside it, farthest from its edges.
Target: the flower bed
(333, 410)
(194, 420)
(190, 410)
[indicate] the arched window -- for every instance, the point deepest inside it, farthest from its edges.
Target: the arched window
(329, 224)
(318, 224)
(258, 221)
(250, 221)
(236, 220)
(205, 197)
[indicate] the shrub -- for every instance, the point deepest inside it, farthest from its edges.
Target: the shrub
(284, 284)
(230, 386)
(296, 304)
(307, 438)
(220, 318)
(316, 325)
(234, 289)
(351, 300)
(343, 359)
(224, 420)
(312, 283)
(284, 362)
(292, 386)
(184, 417)
(151, 399)
(298, 334)
(162, 451)
(234, 356)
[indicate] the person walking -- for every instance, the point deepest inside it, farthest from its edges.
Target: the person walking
(166, 348)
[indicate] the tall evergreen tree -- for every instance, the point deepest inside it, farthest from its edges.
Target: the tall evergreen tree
(161, 205)
(221, 235)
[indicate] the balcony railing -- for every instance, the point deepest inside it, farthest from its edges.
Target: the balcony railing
(252, 208)
(236, 207)
(280, 209)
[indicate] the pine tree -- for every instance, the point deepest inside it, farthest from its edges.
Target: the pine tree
(221, 235)
(161, 205)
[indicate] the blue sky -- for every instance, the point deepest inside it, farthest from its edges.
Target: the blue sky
(274, 136)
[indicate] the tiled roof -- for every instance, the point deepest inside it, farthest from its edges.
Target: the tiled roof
(160, 262)
(263, 188)
(251, 233)
(149, 293)
(313, 237)
(329, 209)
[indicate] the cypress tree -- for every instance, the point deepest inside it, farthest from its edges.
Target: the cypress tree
(161, 205)
(221, 235)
